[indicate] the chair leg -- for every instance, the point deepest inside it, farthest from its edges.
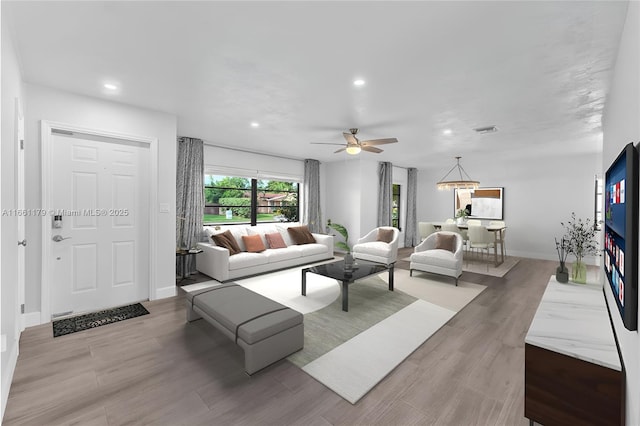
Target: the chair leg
(410, 272)
(456, 281)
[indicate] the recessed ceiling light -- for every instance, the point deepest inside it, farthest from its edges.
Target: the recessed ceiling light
(254, 124)
(358, 82)
(447, 132)
(110, 86)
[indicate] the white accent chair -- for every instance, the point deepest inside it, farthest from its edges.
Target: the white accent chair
(425, 229)
(369, 248)
(426, 257)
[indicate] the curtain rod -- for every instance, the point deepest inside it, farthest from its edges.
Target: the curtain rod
(252, 152)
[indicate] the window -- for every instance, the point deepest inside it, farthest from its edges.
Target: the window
(395, 207)
(233, 199)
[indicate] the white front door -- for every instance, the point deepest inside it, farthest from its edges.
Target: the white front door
(99, 223)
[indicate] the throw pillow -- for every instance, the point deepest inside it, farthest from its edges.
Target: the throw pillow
(385, 235)
(446, 242)
(275, 240)
(253, 243)
(301, 235)
(226, 240)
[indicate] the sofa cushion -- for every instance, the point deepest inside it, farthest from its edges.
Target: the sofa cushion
(285, 235)
(227, 240)
(253, 243)
(446, 242)
(385, 235)
(374, 248)
(435, 257)
(277, 255)
(257, 316)
(311, 249)
(246, 260)
(275, 240)
(301, 235)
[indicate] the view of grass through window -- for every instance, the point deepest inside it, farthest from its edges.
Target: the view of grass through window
(232, 199)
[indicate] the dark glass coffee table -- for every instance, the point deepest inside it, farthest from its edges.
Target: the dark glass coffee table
(337, 271)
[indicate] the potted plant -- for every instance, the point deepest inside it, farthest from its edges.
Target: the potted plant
(581, 237)
(343, 245)
(461, 216)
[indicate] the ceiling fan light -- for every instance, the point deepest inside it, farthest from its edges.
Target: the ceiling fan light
(353, 149)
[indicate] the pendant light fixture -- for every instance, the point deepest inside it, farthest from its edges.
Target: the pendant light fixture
(463, 183)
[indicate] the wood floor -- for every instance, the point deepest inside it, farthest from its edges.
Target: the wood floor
(159, 370)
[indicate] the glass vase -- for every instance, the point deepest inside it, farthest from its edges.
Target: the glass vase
(562, 274)
(579, 272)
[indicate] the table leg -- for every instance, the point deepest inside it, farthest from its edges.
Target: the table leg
(345, 296)
(184, 267)
(304, 282)
(391, 277)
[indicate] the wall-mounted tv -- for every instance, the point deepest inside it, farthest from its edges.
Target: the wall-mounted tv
(621, 233)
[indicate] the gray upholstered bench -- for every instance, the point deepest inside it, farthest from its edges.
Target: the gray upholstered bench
(267, 330)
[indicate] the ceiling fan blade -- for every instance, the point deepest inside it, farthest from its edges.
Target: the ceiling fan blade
(379, 141)
(372, 149)
(350, 138)
(326, 143)
(340, 150)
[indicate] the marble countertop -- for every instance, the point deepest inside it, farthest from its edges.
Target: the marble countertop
(573, 320)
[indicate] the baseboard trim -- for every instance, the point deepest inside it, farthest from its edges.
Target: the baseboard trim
(31, 319)
(7, 376)
(162, 293)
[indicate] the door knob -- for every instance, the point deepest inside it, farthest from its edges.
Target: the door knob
(22, 243)
(58, 238)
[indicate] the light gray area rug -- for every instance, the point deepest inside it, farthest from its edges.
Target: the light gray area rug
(350, 352)
(355, 367)
(370, 301)
(485, 266)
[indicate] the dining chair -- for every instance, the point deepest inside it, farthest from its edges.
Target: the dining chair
(480, 239)
(425, 229)
(500, 240)
(473, 222)
(450, 221)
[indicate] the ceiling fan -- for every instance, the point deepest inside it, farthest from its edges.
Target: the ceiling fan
(354, 145)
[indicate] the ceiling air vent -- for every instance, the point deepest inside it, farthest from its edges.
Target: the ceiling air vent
(487, 129)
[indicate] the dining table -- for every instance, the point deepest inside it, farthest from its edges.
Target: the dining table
(497, 231)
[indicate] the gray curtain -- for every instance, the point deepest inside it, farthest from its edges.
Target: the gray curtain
(411, 237)
(311, 194)
(385, 193)
(189, 197)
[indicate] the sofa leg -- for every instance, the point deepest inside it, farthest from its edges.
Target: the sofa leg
(456, 281)
(410, 272)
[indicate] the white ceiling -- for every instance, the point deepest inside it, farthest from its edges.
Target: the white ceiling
(540, 71)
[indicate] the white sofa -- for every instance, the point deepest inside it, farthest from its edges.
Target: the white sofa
(216, 262)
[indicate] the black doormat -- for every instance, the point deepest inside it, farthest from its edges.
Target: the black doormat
(96, 319)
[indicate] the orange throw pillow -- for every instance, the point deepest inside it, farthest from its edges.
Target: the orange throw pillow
(275, 240)
(301, 234)
(253, 243)
(225, 239)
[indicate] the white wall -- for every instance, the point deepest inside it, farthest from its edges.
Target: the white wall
(352, 195)
(11, 89)
(621, 126)
(54, 105)
(538, 195)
